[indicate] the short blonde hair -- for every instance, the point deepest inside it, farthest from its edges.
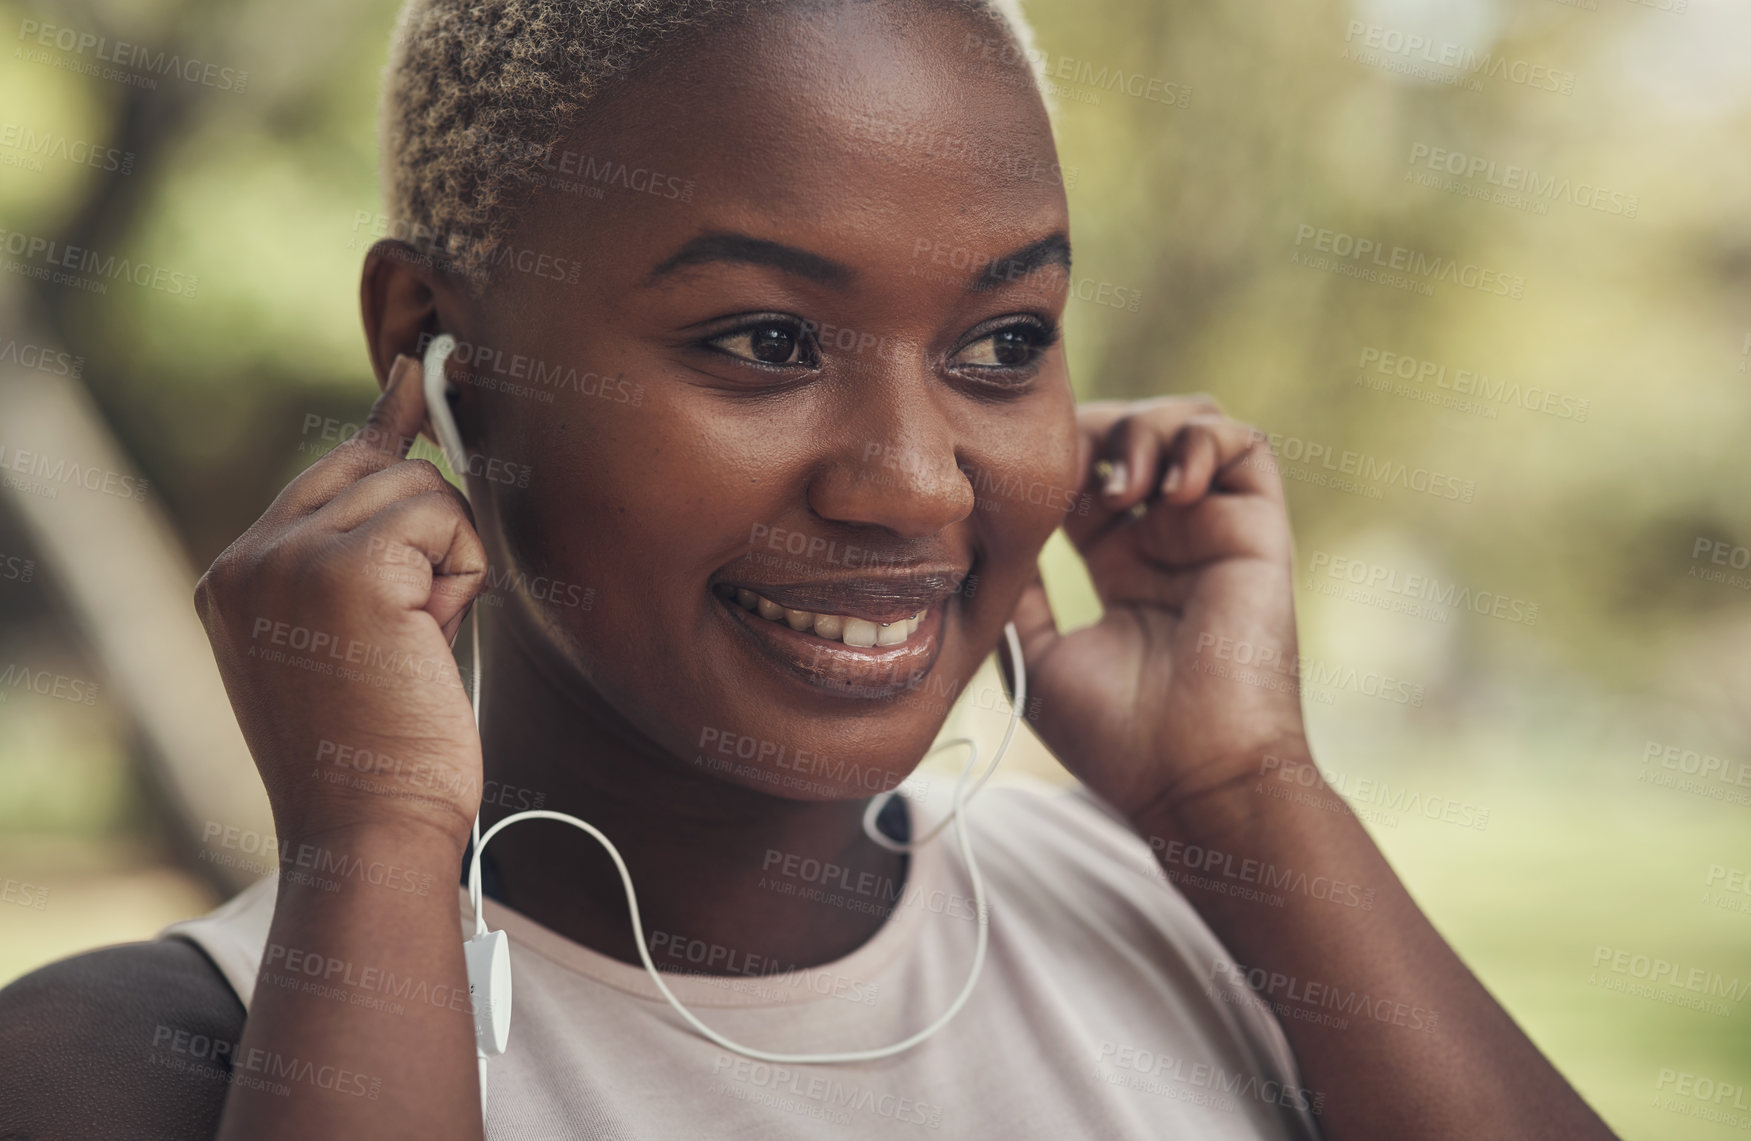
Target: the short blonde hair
(477, 92)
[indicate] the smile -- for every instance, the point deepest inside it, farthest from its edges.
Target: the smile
(878, 654)
(832, 627)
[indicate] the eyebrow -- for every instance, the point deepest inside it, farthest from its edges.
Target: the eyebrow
(734, 248)
(1053, 249)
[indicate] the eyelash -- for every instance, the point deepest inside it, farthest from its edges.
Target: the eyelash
(1041, 334)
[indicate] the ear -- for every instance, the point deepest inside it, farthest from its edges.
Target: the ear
(405, 300)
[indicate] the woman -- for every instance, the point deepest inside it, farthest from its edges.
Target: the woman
(766, 421)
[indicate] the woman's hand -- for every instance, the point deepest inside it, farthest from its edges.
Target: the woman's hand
(1190, 675)
(331, 619)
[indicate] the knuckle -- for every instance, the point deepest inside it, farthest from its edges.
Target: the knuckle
(420, 476)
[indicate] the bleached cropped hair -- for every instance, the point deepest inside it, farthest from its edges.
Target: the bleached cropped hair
(477, 92)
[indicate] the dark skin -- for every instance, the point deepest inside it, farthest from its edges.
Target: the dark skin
(658, 505)
(651, 504)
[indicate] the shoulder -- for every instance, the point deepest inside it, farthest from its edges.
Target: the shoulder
(101, 1045)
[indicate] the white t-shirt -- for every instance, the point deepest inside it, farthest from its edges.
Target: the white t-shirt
(1101, 1013)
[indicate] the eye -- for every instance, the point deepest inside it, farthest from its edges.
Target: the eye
(770, 341)
(1012, 347)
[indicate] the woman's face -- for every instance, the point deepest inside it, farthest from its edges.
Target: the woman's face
(794, 291)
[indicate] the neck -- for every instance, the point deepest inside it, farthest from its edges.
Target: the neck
(705, 856)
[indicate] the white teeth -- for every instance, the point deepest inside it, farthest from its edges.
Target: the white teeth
(833, 627)
(859, 633)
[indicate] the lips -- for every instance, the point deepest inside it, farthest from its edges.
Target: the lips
(869, 637)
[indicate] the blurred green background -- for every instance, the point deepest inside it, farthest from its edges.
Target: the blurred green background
(1601, 456)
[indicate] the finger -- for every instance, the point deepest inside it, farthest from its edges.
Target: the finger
(1132, 451)
(359, 501)
(1035, 626)
(1129, 442)
(1212, 529)
(388, 432)
(1214, 453)
(430, 543)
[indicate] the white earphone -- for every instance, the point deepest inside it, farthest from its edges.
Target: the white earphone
(488, 952)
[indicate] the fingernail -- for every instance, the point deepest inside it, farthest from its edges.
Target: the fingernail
(1117, 478)
(398, 369)
(1175, 476)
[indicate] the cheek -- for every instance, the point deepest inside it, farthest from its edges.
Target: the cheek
(1035, 482)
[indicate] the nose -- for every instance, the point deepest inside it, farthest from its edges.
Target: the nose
(894, 465)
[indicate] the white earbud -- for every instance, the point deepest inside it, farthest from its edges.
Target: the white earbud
(488, 952)
(438, 405)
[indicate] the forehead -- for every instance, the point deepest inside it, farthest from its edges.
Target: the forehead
(879, 124)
